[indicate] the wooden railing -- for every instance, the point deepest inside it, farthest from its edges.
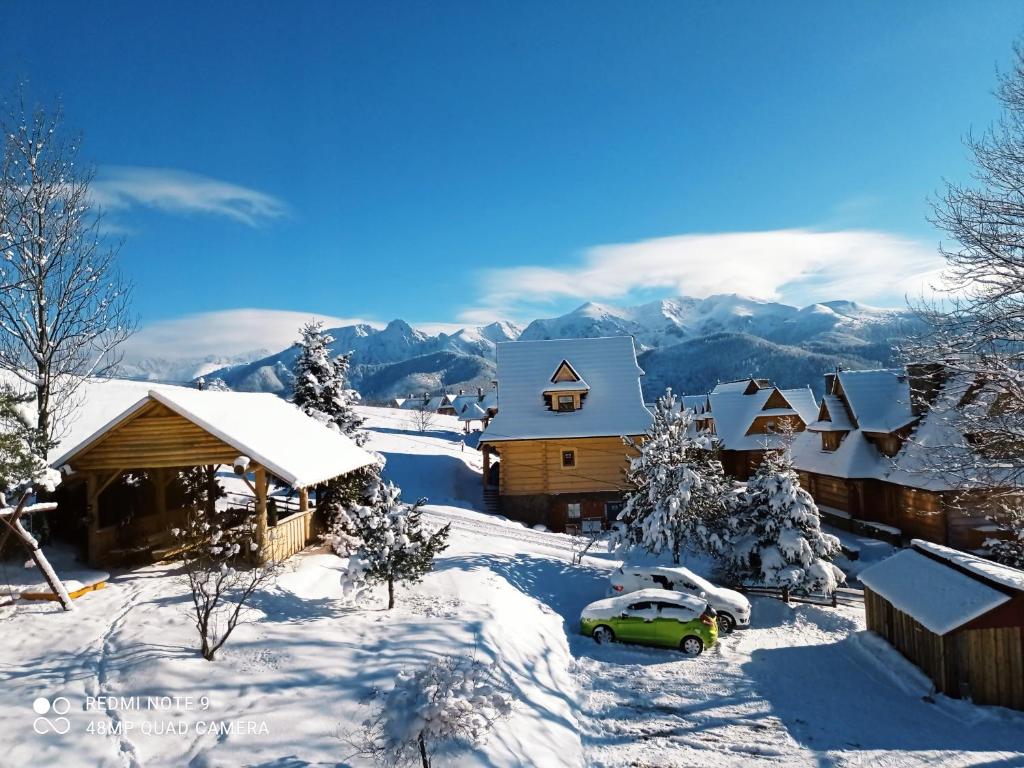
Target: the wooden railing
(291, 534)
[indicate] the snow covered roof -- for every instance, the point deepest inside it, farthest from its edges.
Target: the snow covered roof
(292, 446)
(472, 412)
(854, 458)
(939, 597)
(578, 385)
(987, 570)
(614, 405)
(461, 401)
(838, 419)
(879, 399)
(695, 403)
(740, 385)
(734, 412)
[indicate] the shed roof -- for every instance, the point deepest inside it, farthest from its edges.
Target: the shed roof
(614, 404)
(288, 443)
(987, 570)
(937, 596)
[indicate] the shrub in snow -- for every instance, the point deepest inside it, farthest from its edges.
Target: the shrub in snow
(321, 388)
(220, 551)
(1009, 551)
(773, 532)
(385, 541)
(449, 702)
(677, 482)
(212, 385)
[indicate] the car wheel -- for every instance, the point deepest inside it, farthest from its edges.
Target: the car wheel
(726, 623)
(603, 635)
(692, 646)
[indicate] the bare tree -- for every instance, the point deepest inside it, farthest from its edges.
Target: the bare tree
(221, 571)
(64, 308)
(423, 416)
(975, 331)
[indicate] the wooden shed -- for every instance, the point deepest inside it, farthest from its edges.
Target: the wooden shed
(171, 429)
(958, 617)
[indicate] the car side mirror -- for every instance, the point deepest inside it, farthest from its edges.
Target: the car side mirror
(624, 615)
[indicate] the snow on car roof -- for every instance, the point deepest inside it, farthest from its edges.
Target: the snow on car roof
(879, 399)
(292, 446)
(937, 596)
(613, 407)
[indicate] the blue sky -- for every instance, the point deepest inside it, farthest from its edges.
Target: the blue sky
(454, 162)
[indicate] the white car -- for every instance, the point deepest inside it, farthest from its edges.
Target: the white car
(732, 607)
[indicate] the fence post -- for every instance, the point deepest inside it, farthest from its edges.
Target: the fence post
(835, 602)
(785, 594)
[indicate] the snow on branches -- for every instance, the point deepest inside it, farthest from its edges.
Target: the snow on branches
(772, 533)
(677, 485)
(451, 700)
(321, 388)
(385, 541)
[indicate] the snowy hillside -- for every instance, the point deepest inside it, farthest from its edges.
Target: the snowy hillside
(804, 686)
(747, 335)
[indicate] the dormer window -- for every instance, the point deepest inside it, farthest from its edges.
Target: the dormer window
(567, 390)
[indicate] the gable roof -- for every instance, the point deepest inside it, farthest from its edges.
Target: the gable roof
(563, 370)
(879, 399)
(614, 405)
(472, 412)
(832, 416)
(937, 596)
(274, 433)
(735, 412)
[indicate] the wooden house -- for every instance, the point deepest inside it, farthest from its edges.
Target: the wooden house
(172, 429)
(745, 417)
(566, 405)
(478, 406)
(958, 617)
(865, 457)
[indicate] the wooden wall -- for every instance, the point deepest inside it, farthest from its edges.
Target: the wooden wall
(292, 534)
(535, 466)
(983, 664)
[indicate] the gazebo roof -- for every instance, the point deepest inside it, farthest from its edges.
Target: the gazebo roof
(271, 432)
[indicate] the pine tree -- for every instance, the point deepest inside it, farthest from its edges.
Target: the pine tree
(385, 541)
(321, 388)
(677, 487)
(773, 533)
(19, 458)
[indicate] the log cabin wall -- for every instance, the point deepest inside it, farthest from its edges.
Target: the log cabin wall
(536, 466)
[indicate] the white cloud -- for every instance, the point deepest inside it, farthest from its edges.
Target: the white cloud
(224, 333)
(121, 187)
(797, 265)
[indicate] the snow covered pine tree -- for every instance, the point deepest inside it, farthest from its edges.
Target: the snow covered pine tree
(773, 533)
(321, 384)
(677, 487)
(385, 541)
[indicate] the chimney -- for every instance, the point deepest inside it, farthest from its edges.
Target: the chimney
(480, 392)
(462, 391)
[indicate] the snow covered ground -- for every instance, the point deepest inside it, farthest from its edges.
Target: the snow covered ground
(804, 686)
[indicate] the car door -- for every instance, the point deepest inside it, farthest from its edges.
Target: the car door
(671, 625)
(630, 625)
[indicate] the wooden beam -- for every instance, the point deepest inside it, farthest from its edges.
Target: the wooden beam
(303, 500)
(261, 513)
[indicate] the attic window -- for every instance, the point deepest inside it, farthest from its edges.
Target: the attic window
(566, 403)
(564, 372)
(568, 459)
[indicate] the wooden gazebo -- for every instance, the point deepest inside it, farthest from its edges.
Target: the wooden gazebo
(171, 429)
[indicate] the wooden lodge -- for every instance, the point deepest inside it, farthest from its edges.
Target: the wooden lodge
(122, 493)
(554, 453)
(958, 617)
(864, 458)
(745, 417)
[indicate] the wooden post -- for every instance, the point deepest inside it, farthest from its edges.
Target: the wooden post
(160, 493)
(487, 465)
(303, 500)
(261, 513)
(92, 517)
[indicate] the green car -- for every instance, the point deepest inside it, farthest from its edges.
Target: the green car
(652, 617)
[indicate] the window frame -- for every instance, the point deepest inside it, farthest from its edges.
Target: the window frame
(575, 458)
(579, 511)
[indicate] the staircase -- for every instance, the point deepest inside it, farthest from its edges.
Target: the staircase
(492, 501)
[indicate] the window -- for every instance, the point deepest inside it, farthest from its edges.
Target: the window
(566, 403)
(592, 525)
(612, 509)
(573, 510)
(568, 459)
(640, 606)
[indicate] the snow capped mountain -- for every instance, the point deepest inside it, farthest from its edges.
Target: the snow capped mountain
(688, 344)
